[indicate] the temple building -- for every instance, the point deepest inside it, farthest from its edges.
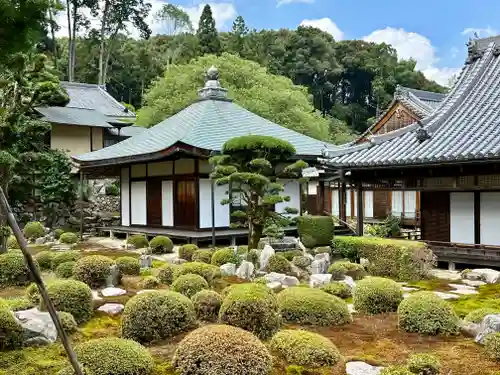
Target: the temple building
(452, 157)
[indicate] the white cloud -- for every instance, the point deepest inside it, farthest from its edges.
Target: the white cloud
(222, 13)
(286, 2)
(480, 32)
(327, 25)
(415, 46)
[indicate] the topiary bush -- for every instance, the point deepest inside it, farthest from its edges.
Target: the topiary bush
(12, 243)
(341, 269)
(203, 256)
(65, 270)
(11, 333)
(312, 306)
(425, 312)
(44, 259)
(207, 305)
(315, 230)
(13, 269)
(338, 289)
(161, 245)
(492, 345)
(139, 241)
(302, 262)
(33, 294)
(128, 266)
(305, 348)
(68, 321)
(375, 295)
(252, 307)
(34, 230)
(71, 296)
(423, 364)
(396, 370)
(208, 271)
(223, 256)
(93, 270)
(166, 273)
(19, 304)
(478, 315)
(189, 285)
(187, 251)
(150, 282)
(278, 263)
(156, 315)
(114, 356)
(70, 371)
(289, 255)
(66, 256)
(57, 233)
(68, 238)
(221, 350)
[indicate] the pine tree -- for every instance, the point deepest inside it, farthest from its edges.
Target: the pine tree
(208, 37)
(238, 34)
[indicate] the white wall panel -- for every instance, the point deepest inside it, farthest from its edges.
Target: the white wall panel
(462, 218)
(348, 203)
(397, 203)
(355, 200)
(125, 197)
(368, 207)
(222, 215)
(139, 203)
(335, 203)
(490, 218)
(167, 203)
(410, 198)
(292, 189)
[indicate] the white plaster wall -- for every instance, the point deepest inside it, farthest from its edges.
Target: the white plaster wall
(125, 197)
(397, 203)
(312, 187)
(368, 207)
(139, 203)
(335, 203)
(462, 218)
(292, 189)
(348, 203)
(222, 214)
(167, 203)
(490, 218)
(355, 193)
(410, 198)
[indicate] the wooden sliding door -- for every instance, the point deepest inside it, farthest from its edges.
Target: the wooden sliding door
(185, 207)
(154, 202)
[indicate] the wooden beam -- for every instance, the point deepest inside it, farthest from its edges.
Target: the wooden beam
(477, 217)
(360, 213)
(342, 201)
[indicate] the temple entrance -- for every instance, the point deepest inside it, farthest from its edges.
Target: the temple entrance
(154, 197)
(185, 204)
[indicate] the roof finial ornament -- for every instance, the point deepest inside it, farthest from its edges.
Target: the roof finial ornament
(421, 133)
(212, 74)
(212, 89)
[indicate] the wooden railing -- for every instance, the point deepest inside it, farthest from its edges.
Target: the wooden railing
(466, 253)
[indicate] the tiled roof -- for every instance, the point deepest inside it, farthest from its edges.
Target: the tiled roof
(464, 127)
(432, 99)
(128, 131)
(74, 116)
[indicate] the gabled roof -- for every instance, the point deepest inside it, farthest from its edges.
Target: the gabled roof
(206, 124)
(464, 127)
(74, 116)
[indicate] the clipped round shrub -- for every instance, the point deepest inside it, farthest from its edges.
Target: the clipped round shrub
(11, 333)
(492, 345)
(150, 282)
(396, 370)
(114, 356)
(128, 266)
(13, 269)
(208, 271)
(93, 270)
(68, 370)
(189, 284)
(68, 321)
(65, 270)
(67, 256)
(19, 304)
(71, 296)
(423, 364)
(68, 238)
(223, 256)
(12, 243)
(341, 269)
(252, 307)
(166, 273)
(478, 315)
(289, 255)
(304, 348)
(34, 230)
(161, 245)
(44, 259)
(139, 241)
(375, 295)
(221, 350)
(156, 315)
(425, 312)
(57, 233)
(187, 251)
(207, 305)
(338, 289)
(204, 256)
(312, 306)
(33, 294)
(278, 263)
(301, 261)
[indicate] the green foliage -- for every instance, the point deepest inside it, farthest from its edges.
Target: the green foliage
(390, 227)
(93, 270)
(189, 285)
(13, 270)
(289, 255)
(71, 296)
(492, 345)
(65, 270)
(312, 306)
(68, 238)
(396, 370)
(223, 256)
(203, 256)
(207, 305)
(425, 312)
(478, 315)
(375, 295)
(208, 37)
(19, 304)
(305, 348)
(114, 356)
(423, 364)
(44, 259)
(252, 307)
(205, 352)
(161, 245)
(66, 256)
(128, 265)
(315, 230)
(187, 251)
(12, 333)
(68, 322)
(341, 269)
(301, 261)
(150, 282)
(208, 271)
(34, 230)
(338, 289)
(33, 294)
(156, 315)
(57, 233)
(278, 263)
(112, 189)
(166, 274)
(139, 241)
(12, 243)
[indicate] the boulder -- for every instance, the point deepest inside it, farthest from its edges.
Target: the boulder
(364, 262)
(275, 286)
(474, 283)
(39, 329)
(349, 281)
(266, 253)
(228, 269)
(463, 289)
(112, 308)
(324, 256)
(114, 277)
(489, 325)
(469, 329)
(317, 280)
(245, 270)
(488, 275)
(113, 292)
(95, 296)
(274, 277)
(319, 266)
(290, 281)
(361, 368)
(280, 244)
(447, 296)
(301, 246)
(146, 261)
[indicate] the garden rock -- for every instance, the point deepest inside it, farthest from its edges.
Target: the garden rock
(114, 277)
(39, 329)
(301, 246)
(474, 283)
(179, 261)
(445, 274)
(319, 266)
(318, 280)
(112, 308)
(274, 277)
(61, 247)
(324, 256)
(349, 281)
(146, 261)
(488, 275)
(463, 289)
(290, 281)
(266, 253)
(146, 291)
(361, 368)
(408, 289)
(95, 296)
(447, 296)
(364, 262)
(489, 325)
(469, 329)
(351, 308)
(276, 286)
(228, 269)
(245, 270)
(113, 292)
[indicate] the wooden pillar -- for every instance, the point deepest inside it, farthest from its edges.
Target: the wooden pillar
(360, 212)
(477, 217)
(342, 197)
(320, 198)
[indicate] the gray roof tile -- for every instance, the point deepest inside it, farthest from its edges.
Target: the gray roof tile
(74, 116)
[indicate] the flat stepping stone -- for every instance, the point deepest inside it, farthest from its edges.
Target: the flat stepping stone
(361, 368)
(409, 289)
(446, 275)
(113, 292)
(112, 308)
(474, 283)
(463, 289)
(95, 296)
(147, 291)
(447, 296)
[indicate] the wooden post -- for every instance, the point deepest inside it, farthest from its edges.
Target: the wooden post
(342, 197)
(81, 205)
(360, 213)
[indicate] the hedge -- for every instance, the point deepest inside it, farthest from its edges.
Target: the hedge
(128, 265)
(13, 269)
(278, 263)
(223, 256)
(315, 230)
(11, 333)
(66, 256)
(68, 238)
(492, 345)
(203, 256)
(189, 284)
(338, 289)
(341, 269)
(208, 271)
(207, 305)
(34, 230)
(161, 245)
(375, 295)
(44, 259)
(166, 273)
(65, 270)
(93, 270)
(139, 241)
(478, 315)
(424, 364)
(186, 252)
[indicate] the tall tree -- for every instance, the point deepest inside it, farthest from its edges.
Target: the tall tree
(174, 20)
(238, 36)
(208, 37)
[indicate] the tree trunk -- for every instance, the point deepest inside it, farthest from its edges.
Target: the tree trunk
(53, 35)
(73, 41)
(4, 178)
(255, 235)
(70, 44)
(111, 44)
(102, 48)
